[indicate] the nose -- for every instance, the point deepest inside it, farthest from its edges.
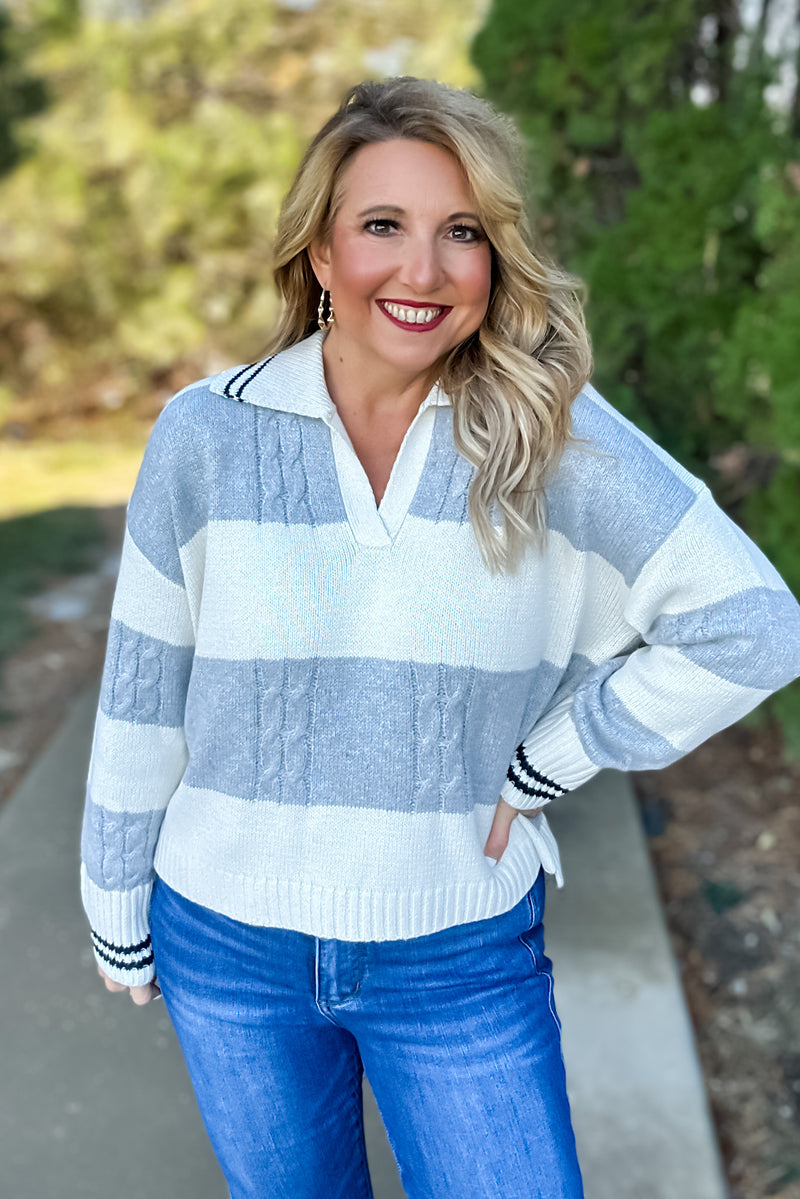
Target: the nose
(422, 268)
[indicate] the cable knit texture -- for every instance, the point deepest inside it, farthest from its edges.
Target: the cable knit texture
(311, 703)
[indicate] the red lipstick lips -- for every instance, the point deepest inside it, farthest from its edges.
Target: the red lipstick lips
(413, 327)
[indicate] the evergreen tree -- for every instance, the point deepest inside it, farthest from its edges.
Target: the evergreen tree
(664, 178)
(21, 94)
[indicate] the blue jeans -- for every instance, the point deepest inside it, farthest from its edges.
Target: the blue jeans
(456, 1030)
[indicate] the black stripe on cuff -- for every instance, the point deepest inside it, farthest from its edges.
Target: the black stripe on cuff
(531, 782)
(114, 954)
(522, 758)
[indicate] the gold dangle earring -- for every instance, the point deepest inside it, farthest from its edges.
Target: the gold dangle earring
(322, 321)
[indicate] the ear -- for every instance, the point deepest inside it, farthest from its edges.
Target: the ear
(319, 255)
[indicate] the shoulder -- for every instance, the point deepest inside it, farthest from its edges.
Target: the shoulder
(627, 453)
(617, 492)
(198, 408)
(195, 427)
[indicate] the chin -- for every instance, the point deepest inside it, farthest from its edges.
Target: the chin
(422, 356)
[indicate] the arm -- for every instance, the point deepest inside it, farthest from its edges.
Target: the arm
(718, 632)
(139, 749)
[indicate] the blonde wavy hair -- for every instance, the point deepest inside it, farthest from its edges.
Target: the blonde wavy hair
(512, 383)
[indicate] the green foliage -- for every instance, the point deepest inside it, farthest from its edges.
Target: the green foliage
(578, 77)
(667, 279)
(51, 19)
(34, 550)
(21, 94)
(662, 176)
(135, 244)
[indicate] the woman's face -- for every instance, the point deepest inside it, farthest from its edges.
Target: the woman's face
(407, 263)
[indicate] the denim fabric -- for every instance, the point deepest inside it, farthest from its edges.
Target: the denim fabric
(457, 1032)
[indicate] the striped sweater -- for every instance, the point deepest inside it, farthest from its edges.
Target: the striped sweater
(310, 703)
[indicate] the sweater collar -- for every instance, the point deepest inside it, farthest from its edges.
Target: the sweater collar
(291, 381)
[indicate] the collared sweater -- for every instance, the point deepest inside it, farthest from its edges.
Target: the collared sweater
(311, 703)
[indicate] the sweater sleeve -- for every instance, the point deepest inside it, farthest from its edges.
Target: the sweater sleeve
(139, 749)
(715, 631)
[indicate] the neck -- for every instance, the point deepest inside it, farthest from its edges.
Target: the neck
(372, 392)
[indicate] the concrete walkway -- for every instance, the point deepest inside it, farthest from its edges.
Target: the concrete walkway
(95, 1100)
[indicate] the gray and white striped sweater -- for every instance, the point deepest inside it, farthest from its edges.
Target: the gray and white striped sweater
(311, 704)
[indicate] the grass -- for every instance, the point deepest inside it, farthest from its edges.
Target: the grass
(39, 475)
(34, 549)
(49, 523)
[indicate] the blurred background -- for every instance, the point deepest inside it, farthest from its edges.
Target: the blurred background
(145, 146)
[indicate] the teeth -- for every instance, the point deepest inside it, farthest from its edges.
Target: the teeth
(413, 316)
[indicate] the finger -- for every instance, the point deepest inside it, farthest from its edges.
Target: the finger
(113, 986)
(496, 842)
(144, 994)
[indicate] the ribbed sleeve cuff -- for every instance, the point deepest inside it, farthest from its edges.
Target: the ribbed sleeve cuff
(120, 931)
(548, 763)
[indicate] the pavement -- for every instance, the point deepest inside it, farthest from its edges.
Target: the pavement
(94, 1097)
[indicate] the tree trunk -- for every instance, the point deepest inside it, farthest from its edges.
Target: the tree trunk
(794, 112)
(755, 54)
(727, 17)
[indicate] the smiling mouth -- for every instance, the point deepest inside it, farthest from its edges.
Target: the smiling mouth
(414, 316)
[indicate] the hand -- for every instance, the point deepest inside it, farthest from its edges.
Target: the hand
(139, 995)
(504, 816)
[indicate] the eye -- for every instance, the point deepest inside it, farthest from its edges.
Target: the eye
(466, 233)
(381, 226)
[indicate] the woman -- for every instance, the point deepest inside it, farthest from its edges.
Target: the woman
(386, 590)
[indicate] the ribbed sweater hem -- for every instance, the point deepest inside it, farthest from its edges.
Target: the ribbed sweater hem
(359, 913)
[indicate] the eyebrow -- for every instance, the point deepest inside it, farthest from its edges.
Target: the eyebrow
(394, 208)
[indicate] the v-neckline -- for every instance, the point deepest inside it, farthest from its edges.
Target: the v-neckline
(378, 524)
